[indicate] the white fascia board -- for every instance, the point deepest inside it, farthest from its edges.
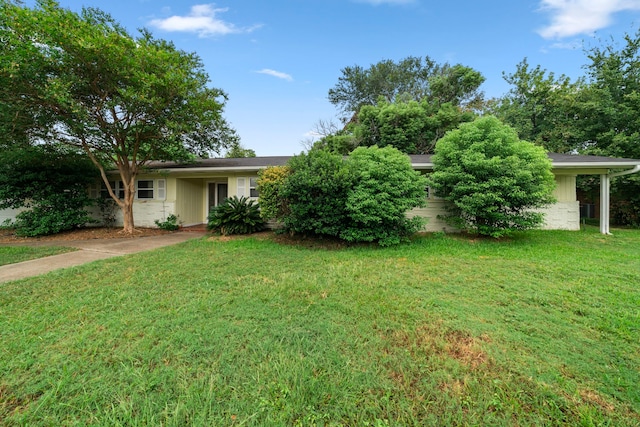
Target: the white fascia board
(560, 165)
(593, 165)
(204, 170)
(422, 166)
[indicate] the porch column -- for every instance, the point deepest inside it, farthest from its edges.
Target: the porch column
(604, 204)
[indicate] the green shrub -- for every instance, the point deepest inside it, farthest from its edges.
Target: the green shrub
(51, 183)
(270, 180)
(315, 193)
(385, 188)
(53, 215)
(169, 224)
(364, 198)
(491, 178)
(236, 216)
(108, 210)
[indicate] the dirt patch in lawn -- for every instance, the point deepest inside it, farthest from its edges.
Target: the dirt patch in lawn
(8, 236)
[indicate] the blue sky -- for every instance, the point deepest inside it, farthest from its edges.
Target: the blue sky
(277, 59)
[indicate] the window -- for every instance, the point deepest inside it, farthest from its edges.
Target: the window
(251, 191)
(117, 188)
(253, 187)
(144, 189)
(94, 190)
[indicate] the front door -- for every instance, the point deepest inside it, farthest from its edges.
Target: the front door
(218, 191)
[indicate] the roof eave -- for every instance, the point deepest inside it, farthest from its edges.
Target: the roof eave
(583, 165)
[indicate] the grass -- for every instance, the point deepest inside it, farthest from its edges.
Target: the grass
(540, 329)
(13, 254)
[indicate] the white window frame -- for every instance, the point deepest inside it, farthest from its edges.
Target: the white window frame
(94, 190)
(253, 187)
(116, 186)
(248, 187)
(158, 189)
(145, 189)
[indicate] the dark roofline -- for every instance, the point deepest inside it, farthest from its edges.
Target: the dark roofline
(223, 163)
(420, 161)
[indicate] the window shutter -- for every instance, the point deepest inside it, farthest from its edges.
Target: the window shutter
(241, 187)
(162, 189)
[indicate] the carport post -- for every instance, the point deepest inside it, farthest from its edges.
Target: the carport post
(604, 204)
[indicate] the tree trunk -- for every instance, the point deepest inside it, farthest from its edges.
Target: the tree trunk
(127, 203)
(127, 216)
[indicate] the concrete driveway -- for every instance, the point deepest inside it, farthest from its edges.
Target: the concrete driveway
(88, 251)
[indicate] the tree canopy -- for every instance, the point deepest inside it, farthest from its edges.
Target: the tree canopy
(82, 80)
(595, 114)
(408, 104)
(411, 127)
(238, 151)
(411, 78)
(542, 107)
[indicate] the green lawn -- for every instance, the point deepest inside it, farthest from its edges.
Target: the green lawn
(13, 254)
(542, 329)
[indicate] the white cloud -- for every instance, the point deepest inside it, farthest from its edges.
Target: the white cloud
(202, 20)
(275, 73)
(573, 17)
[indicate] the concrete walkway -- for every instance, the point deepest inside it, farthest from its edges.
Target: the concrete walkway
(89, 250)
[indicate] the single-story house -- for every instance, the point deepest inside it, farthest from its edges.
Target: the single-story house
(190, 190)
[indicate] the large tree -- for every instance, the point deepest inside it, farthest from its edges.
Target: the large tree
(411, 127)
(611, 119)
(411, 78)
(596, 114)
(543, 108)
(612, 114)
(83, 80)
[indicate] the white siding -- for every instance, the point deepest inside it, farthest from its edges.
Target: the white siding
(559, 216)
(434, 208)
(562, 216)
(146, 212)
(9, 214)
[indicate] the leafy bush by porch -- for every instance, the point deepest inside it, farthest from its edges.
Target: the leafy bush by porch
(236, 216)
(270, 181)
(170, 224)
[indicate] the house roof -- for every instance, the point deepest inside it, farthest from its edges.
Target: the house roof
(559, 161)
(245, 162)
